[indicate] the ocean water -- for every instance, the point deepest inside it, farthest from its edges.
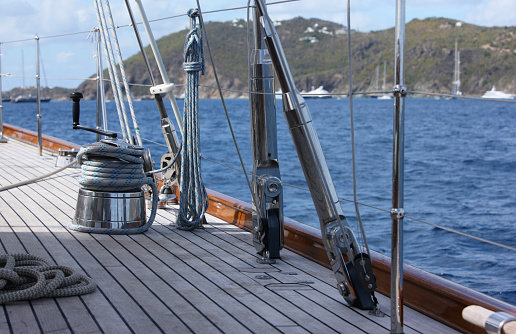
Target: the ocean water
(460, 172)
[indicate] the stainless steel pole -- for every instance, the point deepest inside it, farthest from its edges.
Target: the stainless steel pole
(397, 211)
(101, 84)
(38, 97)
(2, 139)
(99, 101)
(161, 66)
(268, 219)
(167, 127)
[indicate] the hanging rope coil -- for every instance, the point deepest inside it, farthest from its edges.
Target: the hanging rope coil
(114, 169)
(193, 200)
(26, 277)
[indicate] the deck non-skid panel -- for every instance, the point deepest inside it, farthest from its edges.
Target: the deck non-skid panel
(165, 280)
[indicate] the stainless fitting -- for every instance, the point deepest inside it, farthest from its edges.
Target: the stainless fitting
(399, 90)
(397, 213)
(496, 321)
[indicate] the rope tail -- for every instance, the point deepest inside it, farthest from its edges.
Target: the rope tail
(193, 200)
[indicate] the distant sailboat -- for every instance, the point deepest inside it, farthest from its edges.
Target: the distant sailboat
(384, 96)
(456, 73)
(26, 97)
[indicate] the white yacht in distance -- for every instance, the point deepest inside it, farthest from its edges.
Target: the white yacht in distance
(319, 93)
(496, 94)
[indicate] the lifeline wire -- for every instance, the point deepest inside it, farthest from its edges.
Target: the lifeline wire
(193, 200)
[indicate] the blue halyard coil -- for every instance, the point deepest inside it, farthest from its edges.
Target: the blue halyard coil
(193, 200)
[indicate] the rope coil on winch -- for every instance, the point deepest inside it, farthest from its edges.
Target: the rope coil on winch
(114, 169)
(193, 200)
(26, 277)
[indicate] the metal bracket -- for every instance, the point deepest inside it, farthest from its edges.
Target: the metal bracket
(399, 90)
(162, 89)
(397, 213)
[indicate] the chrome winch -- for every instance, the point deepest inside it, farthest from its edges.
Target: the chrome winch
(111, 198)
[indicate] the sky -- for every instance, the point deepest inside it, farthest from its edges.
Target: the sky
(67, 60)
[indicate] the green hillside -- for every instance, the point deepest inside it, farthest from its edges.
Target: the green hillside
(317, 53)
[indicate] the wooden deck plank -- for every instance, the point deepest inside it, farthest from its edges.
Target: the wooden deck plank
(153, 281)
(81, 324)
(281, 304)
(22, 318)
(165, 280)
(325, 282)
(72, 309)
(280, 278)
(200, 281)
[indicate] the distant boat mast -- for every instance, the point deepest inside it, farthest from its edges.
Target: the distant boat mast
(384, 67)
(23, 71)
(456, 73)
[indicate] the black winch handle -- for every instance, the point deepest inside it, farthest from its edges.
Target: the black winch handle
(76, 111)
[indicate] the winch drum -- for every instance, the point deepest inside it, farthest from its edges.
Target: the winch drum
(98, 209)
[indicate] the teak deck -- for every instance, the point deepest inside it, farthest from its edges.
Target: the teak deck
(165, 280)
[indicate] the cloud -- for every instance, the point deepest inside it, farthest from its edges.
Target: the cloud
(494, 12)
(64, 57)
(17, 8)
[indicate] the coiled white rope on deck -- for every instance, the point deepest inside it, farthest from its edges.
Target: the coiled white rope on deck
(26, 277)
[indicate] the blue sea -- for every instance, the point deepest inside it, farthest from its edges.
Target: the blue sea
(460, 172)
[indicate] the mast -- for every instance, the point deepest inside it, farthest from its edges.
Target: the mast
(377, 76)
(2, 139)
(397, 211)
(384, 68)
(38, 97)
(23, 72)
(456, 73)
(267, 200)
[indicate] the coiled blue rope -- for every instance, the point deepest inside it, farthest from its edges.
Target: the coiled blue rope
(114, 169)
(193, 200)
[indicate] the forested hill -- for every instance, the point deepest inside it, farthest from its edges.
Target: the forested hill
(317, 53)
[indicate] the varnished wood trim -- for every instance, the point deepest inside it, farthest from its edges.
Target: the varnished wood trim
(31, 137)
(432, 295)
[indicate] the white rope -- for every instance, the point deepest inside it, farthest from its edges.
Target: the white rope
(27, 277)
(33, 180)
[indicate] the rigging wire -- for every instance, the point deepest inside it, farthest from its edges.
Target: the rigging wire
(112, 70)
(124, 76)
(350, 66)
(222, 98)
(155, 20)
